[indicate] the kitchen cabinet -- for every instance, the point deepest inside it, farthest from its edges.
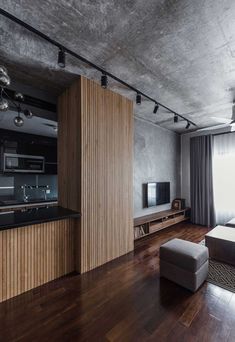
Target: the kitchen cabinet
(28, 144)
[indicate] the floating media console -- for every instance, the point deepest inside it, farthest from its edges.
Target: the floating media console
(149, 224)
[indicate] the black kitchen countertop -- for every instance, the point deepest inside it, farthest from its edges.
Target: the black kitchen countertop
(28, 217)
(15, 203)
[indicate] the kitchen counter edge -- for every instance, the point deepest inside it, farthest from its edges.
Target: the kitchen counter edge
(34, 216)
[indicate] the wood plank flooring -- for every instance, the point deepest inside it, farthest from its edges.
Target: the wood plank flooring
(124, 300)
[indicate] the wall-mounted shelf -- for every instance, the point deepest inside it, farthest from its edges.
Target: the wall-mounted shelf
(149, 224)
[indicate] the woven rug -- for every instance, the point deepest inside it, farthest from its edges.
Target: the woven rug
(221, 274)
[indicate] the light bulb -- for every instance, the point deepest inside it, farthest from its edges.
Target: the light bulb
(18, 121)
(28, 114)
(3, 105)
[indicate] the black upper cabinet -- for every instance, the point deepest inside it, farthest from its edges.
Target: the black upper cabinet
(27, 144)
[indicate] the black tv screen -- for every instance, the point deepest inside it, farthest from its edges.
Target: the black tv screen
(158, 193)
(163, 193)
(151, 194)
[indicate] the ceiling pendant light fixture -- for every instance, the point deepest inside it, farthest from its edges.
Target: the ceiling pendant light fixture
(4, 78)
(3, 103)
(4, 82)
(19, 97)
(61, 58)
(28, 114)
(176, 118)
(138, 99)
(104, 81)
(18, 120)
(155, 108)
(188, 125)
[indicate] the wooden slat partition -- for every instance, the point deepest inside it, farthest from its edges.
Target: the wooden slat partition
(95, 170)
(33, 255)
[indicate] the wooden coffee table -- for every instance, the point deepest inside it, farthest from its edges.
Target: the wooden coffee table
(221, 244)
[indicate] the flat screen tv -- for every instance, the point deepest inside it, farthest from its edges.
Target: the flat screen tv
(158, 193)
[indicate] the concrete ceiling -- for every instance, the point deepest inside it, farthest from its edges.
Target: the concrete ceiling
(180, 52)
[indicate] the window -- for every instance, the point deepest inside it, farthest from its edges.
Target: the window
(224, 177)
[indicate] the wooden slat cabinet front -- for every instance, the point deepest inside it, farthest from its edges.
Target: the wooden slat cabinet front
(34, 255)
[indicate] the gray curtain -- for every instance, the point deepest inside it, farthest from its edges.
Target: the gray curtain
(201, 181)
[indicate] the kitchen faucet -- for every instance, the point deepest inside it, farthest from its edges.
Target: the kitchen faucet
(25, 197)
(44, 189)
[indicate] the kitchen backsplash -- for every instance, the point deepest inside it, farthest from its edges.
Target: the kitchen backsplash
(11, 187)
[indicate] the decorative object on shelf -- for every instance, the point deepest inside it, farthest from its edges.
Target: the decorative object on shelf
(19, 97)
(139, 232)
(178, 204)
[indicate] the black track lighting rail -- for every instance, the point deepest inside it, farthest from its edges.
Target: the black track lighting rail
(63, 48)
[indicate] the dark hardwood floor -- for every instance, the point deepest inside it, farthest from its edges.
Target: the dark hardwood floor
(124, 300)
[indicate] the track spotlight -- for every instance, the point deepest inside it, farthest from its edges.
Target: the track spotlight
(176, 118)
(155, 108)
(104, 81)
(28, 114)
(138, 99)
(61, 58)
(188, 125)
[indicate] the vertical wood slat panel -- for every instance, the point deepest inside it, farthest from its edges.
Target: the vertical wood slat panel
(34, 255)
(95, 146)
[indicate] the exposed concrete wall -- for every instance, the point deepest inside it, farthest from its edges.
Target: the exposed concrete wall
(156, 158)
(185, 159)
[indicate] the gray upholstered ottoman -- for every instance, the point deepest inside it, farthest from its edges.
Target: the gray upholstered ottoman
(184, 262)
